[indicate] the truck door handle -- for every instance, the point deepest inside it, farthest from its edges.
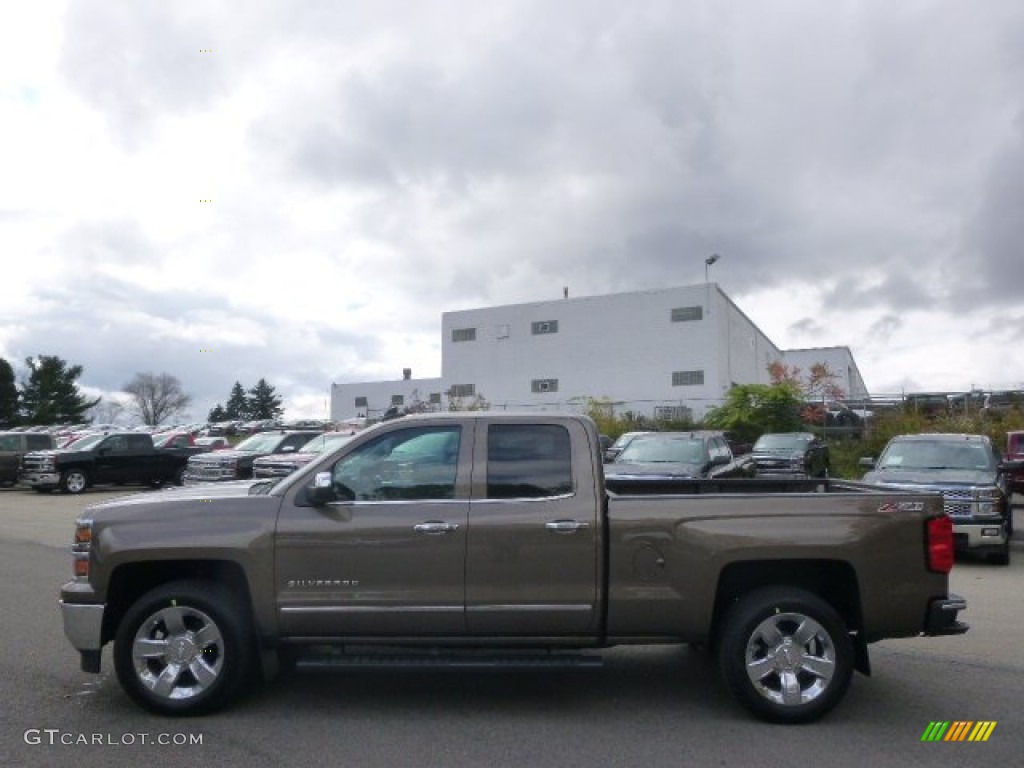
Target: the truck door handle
(435, 528)
(566, 526)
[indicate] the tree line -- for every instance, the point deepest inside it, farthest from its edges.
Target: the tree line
(50, 394)
(258, 403)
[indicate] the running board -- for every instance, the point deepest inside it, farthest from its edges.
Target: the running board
(470, 661)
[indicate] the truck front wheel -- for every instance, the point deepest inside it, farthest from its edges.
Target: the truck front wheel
(785, 654)
(73, 480)
(182, 649)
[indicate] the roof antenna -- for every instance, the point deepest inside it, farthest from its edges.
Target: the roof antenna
(565, 291)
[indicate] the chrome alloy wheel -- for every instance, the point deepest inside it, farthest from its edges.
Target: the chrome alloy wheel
(790, 659)
(74, 481)
(178, 653)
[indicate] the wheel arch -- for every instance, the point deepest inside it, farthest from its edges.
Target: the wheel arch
(834, 581)
(130, 581)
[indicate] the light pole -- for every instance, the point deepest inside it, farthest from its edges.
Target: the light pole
(708, 262)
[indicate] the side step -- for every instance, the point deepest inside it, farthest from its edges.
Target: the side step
(471, 661)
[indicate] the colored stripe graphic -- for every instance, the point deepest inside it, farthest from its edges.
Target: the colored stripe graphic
(958, 730)
(935, 730)
(982, 730)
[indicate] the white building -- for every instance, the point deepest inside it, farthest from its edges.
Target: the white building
(839, 361)
(372, 398)
(671, 352)
(673, 348)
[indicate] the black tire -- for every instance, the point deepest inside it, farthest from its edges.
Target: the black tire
(195, 648)
(74, 480)
(179, 478)
(760, 654)
(1002, 557)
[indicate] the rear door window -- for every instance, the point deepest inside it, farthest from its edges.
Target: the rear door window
(528, 461)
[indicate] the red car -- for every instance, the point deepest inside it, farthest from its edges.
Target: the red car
(1015, 452)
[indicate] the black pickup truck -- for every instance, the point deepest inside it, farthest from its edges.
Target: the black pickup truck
(123, 458)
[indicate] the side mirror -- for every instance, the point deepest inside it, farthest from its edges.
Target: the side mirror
(325, 491)
(288, 449)
(720, 460)
(867, 461)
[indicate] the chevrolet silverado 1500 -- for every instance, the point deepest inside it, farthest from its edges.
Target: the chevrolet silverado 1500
(459, 536)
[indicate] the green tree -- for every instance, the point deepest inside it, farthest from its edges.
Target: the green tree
(750, 410)
(217, 413)
(263, 402)
(156, 397)
(51, 395)
(238, 404)
(8, 395)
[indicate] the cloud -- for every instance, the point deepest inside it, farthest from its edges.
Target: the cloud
(882, 330)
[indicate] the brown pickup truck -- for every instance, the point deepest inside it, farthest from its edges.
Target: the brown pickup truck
(480, 538)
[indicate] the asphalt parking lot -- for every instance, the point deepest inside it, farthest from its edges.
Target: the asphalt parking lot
(652, 706)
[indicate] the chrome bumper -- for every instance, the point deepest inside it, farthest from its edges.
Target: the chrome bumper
(39, 479)
(83, 626)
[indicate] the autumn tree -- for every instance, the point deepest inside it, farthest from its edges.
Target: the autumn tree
(156, 397)
(50, 395)
(817, 388)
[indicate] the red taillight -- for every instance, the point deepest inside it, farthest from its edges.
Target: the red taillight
(940, 544)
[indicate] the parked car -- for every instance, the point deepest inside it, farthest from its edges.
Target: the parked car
(792, 454)
(620, 443)
(283, 464)
(1015, 453)
(14, 445)
(213, 443)
(677, 455)
(968, 472)
(125, 457)
(237, 463)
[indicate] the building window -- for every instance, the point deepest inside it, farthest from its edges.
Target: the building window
(463, 334)
(501, 331)
(435, 398)
(544, 326)
(397, 399)
(544, 385)
(361, 402)
(462, 390)
(672, 413)
(687, 314)
(687, 378)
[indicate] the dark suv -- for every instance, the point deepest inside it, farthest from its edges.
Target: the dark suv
(791, 454)
(968, 472)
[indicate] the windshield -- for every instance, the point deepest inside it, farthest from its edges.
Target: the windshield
(663, 450)
(781, 441)
(263, 443)
(935, 454)
(88, 441)
(324, 443)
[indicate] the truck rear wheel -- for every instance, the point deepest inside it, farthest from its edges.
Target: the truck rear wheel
(183, 649)
(73, 480)
(785, 654)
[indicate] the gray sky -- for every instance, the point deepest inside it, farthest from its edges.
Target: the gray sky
(859, 166)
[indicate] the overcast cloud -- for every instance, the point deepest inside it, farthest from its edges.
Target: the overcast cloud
(302, 188)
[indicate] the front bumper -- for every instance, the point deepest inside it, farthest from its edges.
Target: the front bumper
(942, 613)
(975, 537)
(39, 479)
(83, 627)
(196, 476)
